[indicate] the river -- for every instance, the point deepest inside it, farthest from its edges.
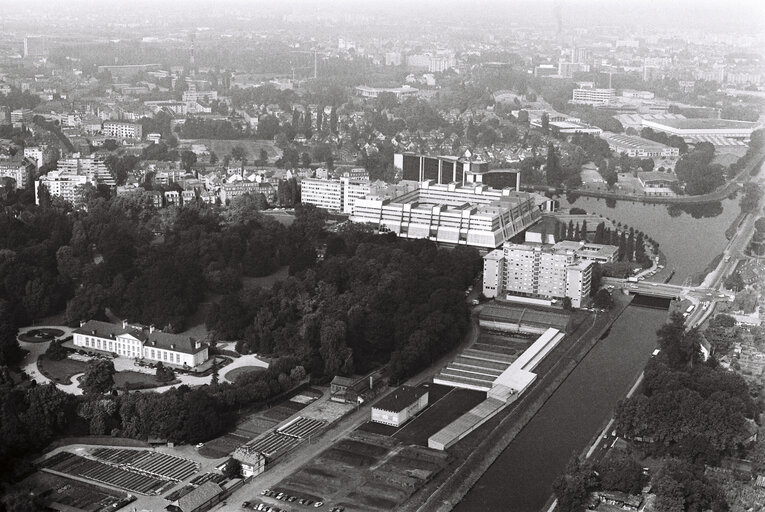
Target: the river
(689, 243)
(520, 480)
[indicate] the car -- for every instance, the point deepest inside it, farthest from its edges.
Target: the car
(245, 504)
(261, 506)
(475, 302)
(318, 504)
(265, 492)
(301, 501)
(309, 502)
(200, 445)
(291, 498)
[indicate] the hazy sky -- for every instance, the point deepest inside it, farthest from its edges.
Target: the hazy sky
(684, 14)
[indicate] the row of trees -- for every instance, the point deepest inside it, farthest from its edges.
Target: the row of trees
(31, 416)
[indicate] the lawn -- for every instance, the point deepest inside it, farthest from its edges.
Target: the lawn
(237, 372)
(266, 282)
(253, 147)
(61, 371)
(40, 335)
(138, 380)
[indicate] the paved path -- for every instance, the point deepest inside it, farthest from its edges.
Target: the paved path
(29, 364)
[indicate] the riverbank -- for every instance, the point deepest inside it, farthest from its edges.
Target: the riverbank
(717, 195)
(443, 494)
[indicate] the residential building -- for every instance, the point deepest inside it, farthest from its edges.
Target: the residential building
(400, 406)
(538, 272)
(35, 46)
(593, 96)
(92, 166)
(62, 184)
(38, 154)
(140, 342)
(597, 253)
(228, 191)
(323, 193)
(19, 170)
(473, 215)
(120, 130)
(354, 189)
(253, 461)
(21, 115)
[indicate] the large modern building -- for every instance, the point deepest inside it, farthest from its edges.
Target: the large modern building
(638, 147)
(440, 169)
(91, 166)
(335, 195)
(399, 92)
(229, 191)
(701, 130)
(120, 130)
(540, 274)
(140, 342)
(474, 215)
(592, 96)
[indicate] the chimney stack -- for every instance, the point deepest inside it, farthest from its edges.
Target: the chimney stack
(124, 324)
(82, 323)
(151, 328)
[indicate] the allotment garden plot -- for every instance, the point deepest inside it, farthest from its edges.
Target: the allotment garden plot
(140, 471)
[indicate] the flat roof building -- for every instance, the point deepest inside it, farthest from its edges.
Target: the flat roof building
(590, 96)
(638, 147)
(400, 406)
(473, 215)
(696, 130)
(541, 273)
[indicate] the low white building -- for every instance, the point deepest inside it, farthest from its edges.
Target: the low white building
(140, 342)
(400, 406)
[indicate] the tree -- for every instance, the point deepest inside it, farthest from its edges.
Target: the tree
(305, 159)
(263, 157)
(232, 469)
(239, 153)
(99, 378)
(164, 373)
(545, 122)
(56, 351)
(552, 166)
(188, 159)
(603, 299)
(567, 303)
(734, 282)
(619, 472)
(523, 117)
(573, 487)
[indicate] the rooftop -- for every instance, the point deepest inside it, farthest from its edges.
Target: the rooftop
(401, 398)
(199, 496)
(703, 123)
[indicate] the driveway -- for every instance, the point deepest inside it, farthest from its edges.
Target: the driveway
(29, 364)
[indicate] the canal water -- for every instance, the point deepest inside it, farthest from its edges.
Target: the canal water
(689, 238)
(520, 480)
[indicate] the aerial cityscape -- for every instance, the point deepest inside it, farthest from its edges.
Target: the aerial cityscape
(411, 256)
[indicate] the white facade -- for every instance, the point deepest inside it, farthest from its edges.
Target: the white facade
(638, 147)
(473, 215)
(587, 96)
(327, 194)
(36, 154)
(62, 184)
(537, 271)
(691, 128)
(352, 191)
(400, 406)
(122, 130)
(140, 343)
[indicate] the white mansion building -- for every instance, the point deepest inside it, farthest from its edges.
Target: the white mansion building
(140, 342)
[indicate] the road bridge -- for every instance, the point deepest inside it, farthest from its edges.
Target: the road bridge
(669, 291)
